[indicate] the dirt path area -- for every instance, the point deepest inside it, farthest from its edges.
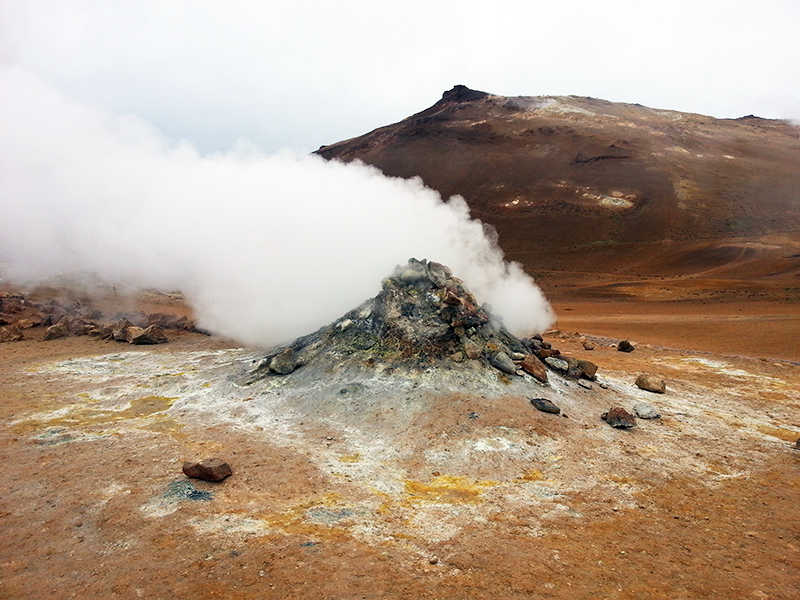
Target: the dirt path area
(755, 330)
(451, 496)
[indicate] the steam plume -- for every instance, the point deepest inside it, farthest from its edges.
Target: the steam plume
(266, 247)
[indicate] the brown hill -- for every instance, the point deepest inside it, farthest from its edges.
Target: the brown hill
(586, 192)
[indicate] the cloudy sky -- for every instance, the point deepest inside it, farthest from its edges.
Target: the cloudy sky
(308, 72)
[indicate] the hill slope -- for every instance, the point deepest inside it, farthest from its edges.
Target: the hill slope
(584, 185)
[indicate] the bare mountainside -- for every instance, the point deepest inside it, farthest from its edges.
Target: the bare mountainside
(591, 187)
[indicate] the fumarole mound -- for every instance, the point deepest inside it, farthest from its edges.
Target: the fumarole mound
(423, 319)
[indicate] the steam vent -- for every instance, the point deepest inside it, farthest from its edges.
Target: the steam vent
(423, 320)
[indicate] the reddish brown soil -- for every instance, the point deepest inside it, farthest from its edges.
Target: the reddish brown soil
(73, 527)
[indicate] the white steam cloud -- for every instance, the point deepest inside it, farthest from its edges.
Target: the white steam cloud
(267, 248)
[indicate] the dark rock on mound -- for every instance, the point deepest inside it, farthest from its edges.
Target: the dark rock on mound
(284, 363)
(210, 469)
(545, 405)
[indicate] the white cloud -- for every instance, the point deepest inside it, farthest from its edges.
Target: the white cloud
(267, 247)
(307, 73)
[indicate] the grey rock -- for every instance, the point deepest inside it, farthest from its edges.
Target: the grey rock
(557, 363)
(502, 361)
(284, 363)
(645, 411)
(584, 384)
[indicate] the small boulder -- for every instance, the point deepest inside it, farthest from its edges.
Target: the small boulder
(56, 331)
(11, 334)
(209, 469)
(120, 331)
(535, 367)
(645, 411)
(30, 322)
(557, 363)
(284, 363)
(619, 418)
(502, 362)
(132, 333)
(588, 345)
(152, 335)
(651, 383)
(625, 346)
(545, 405)
(587, 368)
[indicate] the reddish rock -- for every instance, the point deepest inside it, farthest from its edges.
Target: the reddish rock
(619, 418)
(587, 368)
(451, 298)
(209, 469)
(535, 367)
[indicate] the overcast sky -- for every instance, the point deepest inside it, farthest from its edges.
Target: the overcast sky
(304, 73)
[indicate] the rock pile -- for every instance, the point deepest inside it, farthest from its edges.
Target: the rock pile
(423, 317)
(60, 318)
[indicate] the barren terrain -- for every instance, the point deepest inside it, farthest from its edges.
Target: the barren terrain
(677, 232)
(402, 493)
